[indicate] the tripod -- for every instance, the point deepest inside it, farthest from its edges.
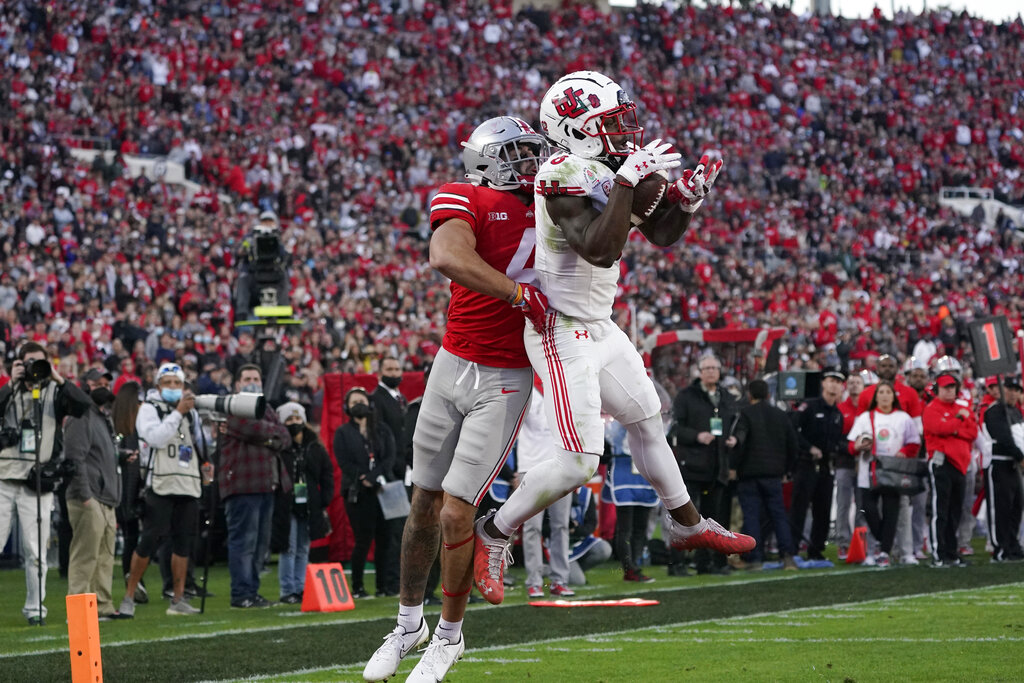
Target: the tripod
(211, 512)
(37, 408)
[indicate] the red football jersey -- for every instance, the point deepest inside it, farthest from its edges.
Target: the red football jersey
(481, 328)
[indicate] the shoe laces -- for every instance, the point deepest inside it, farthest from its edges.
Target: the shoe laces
(499, 556)
(716, 528)
(397, 639)
(436, 654)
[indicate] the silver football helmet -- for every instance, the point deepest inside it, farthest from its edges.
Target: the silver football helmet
(504, 153)
(946, 365)
(589, 115)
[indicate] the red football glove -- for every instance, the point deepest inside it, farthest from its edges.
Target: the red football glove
(532, 303)
(690, 190)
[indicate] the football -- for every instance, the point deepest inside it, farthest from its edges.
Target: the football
(647, 195)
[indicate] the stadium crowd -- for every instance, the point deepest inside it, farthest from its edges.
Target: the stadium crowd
(343, 117)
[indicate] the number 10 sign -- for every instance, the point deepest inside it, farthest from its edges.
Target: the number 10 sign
(326, 589)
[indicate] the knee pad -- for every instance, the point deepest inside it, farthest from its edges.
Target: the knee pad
(569, 471)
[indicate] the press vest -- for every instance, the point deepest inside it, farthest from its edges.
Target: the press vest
(13, 463)
(174, 467)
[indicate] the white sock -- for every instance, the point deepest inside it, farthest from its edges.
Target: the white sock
(687, 531)
(450, 630)
(410, 617)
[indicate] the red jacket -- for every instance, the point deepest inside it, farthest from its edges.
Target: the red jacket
(948, 431)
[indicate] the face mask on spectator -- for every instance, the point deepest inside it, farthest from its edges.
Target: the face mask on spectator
(102, 396)
(252, 388)
(295, 429)
(392, 382)
(170, 395)
(359, 410)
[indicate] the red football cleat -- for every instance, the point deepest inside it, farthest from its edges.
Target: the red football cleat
(715, 537)
(490, 556)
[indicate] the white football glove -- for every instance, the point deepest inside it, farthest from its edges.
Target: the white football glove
(695, 184)
(650, 158)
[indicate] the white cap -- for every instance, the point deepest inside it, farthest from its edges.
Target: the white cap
(170, 369)
(291, 409)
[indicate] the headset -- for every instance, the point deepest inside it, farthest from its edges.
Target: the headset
(364, 392)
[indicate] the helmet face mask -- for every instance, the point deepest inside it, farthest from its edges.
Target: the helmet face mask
(589, 115)
(504, 153)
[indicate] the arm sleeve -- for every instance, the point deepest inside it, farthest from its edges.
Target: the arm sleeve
(935, 423)
(325, 479)
(911, 439)
(260, 432)
(351, 463)
(76, 448)
(685, 435)
(742, 432)
(155, 432)
(385, 460)
(70, 400)
(799, 422)
(999, 429)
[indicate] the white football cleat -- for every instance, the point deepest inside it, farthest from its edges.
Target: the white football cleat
(438, 660)
(397, 644)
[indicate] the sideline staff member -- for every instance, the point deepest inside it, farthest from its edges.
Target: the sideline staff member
(30, 425)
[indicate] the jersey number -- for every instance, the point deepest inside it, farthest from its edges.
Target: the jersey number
(520, 268)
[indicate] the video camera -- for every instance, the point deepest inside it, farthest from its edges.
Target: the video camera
(249, 406)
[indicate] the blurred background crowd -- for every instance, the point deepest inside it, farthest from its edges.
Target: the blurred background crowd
(342, 118)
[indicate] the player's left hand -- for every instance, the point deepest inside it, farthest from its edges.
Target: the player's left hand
(533, 304)
(695, 184)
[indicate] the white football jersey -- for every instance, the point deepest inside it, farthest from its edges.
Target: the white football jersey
(573, 286)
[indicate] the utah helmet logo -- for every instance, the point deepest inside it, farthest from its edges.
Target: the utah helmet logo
(570, 105)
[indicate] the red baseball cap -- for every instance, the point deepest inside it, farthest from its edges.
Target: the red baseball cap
(946, 381)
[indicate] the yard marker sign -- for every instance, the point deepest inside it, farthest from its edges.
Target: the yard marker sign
(992, 343)
(326, 589)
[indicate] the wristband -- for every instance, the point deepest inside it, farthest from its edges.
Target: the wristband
(516, 297)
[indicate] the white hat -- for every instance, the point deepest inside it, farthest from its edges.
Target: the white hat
(291, 409)
(170, 369)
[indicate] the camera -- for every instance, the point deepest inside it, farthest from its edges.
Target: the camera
(53, 474)
(9, 436)
(251, 406)
(37, 370)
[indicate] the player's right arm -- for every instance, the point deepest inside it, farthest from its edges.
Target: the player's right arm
(453, 254)
(597, 236)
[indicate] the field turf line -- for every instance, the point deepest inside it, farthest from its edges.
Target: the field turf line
(238, 655)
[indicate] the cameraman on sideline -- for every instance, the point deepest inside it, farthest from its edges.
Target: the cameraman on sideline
(170, 430)
(30, 427)
(250, 472)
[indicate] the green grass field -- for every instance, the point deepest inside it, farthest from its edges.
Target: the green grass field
(840, 624)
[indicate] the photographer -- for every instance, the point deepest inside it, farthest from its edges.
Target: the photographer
(169, 429)
(250, 473)
(33, 407)
(92, 494)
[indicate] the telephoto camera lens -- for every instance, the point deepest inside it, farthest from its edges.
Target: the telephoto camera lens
(251, 406)
(37, 370)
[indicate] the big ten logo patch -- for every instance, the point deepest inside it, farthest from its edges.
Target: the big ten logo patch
(497, 216)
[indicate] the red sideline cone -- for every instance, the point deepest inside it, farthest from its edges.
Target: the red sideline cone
(858, 546)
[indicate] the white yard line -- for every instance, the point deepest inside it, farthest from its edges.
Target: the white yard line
(472, 655)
